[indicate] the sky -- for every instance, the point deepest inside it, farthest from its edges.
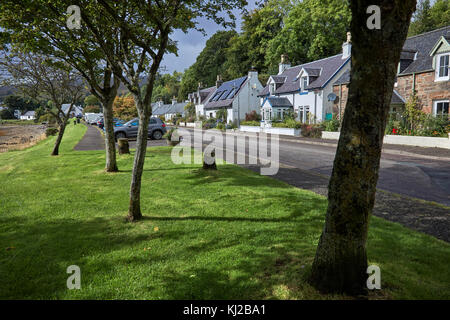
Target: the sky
(191, 44)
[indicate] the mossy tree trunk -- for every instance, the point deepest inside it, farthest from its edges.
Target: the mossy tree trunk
(62, 128)
(340, 263)
(110, 142)
(134, 209)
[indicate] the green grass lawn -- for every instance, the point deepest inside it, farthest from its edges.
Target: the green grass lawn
(231, 234)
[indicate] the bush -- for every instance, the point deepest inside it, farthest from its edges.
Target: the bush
(209, 124)
(287, 123)
(221, 126)
(251, 123)
(252, 116)
(51, 132)
(311, 131)
(330, 125)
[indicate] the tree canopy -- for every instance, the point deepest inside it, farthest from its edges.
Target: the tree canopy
(429, 17)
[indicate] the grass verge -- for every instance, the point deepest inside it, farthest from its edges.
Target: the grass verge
(230, 234)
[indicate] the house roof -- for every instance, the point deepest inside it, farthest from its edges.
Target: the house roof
(422, 44)
(397, 98)
(279, 102)
(345, 79)
(225, 94)
(29, 114)
(279, 79)
(205, 94)
(313, 72)
(159, 109)
(65, 108)
(321, 70)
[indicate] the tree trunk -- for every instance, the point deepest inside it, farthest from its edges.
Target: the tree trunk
(62, 128)
(124, 146)
(134, 210)
(340, 263)
(110, 143)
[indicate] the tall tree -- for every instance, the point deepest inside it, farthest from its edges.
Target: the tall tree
(259, 26)
(340, 263)
(314, 29)
(40, 77)
(209, 64)
(145, 29)
(429, 16)
(41, 26)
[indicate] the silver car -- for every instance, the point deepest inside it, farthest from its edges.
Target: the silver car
(156, 129)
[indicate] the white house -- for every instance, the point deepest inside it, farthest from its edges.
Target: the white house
(307, 89)
(238, 97)
(200, 98)
(76, 110)
(168, 110)
(29, 115)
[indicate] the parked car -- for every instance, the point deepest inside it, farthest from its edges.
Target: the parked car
(101, 123)
(156, 129)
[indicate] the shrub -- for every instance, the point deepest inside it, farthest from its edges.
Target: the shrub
(251, 123)
(330, 125)
(51, 132)
(311, 131)
(252, 116)
(168, 136)
(221, 126)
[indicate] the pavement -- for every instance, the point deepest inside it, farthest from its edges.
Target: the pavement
(413, 187)
(93, 140)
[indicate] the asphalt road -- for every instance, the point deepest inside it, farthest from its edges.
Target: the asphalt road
(413, 176)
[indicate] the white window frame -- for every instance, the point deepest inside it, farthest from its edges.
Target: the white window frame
(302, 79)
(435, 103)
(438, 67)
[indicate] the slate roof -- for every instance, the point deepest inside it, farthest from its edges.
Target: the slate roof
(322, 71)
(279, 79)
(205, 94)
(225, 94)
(397, 98)
(163, 109)
(29, 114)
(279, 102)
(65, 108)
(345, 79)
(423, 44)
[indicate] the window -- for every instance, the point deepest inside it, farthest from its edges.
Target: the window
(303, 112)
(442, 67)
(304, 83)
(152, 121)
(272, 88)
(441, 107)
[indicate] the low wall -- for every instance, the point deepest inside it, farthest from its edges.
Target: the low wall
(426, 142)
(279, 131)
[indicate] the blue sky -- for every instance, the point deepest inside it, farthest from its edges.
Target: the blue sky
(191, 44)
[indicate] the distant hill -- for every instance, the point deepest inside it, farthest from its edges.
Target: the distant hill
(6, 91)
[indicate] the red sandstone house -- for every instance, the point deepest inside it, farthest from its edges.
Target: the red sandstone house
(423, 67)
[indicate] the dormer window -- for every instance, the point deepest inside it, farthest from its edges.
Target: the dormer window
(272, 88)
(304, 83)
(442, 66)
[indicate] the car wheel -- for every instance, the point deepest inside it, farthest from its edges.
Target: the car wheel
(120, 135)
(157, 135)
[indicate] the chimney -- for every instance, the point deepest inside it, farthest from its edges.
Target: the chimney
(219, 81)
(253, 73)
(347, 47)
(174, 100)
(284, 64)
